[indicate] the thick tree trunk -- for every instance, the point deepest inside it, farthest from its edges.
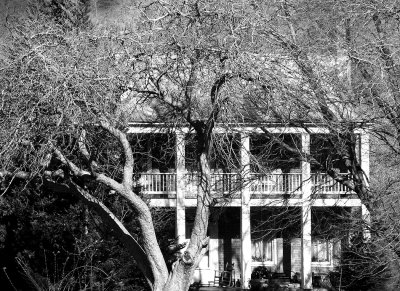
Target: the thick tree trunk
(180, 277)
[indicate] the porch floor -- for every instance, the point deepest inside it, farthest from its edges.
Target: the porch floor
(240, 289)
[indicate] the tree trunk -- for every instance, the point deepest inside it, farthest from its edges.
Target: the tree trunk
(180, 277)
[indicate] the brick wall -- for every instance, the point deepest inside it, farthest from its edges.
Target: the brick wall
(229, 243)
(295, 250)
(229, 251)
(295, 245)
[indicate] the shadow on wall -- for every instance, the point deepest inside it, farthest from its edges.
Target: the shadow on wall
(229, 234)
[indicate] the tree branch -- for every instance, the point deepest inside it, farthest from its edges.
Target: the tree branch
(127, 150)
(112, 221)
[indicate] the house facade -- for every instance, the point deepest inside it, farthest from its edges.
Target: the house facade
(263, 216)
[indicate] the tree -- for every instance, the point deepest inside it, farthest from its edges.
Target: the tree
(343, 58)
(333, 61)
(54, 83)
(196, 63)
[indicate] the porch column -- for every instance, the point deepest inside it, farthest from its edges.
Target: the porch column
(364, 153)
(245, 232)
(364, 157)
(306, 246)
(213, 245)
(180, 226)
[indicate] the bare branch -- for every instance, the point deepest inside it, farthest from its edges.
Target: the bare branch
(112, 221)
(127, 150)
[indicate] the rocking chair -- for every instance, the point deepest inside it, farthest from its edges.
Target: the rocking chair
(225, 278)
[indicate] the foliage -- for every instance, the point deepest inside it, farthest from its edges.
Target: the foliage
(261, 272)
(59, 245)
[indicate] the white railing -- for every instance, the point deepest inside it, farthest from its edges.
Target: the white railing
(275, 183)
(324, 184)
(223, 184)
(160, 183)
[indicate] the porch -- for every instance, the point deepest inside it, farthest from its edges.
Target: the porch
(161, 185)
(245, 184)
(275, 248)
(283, 288)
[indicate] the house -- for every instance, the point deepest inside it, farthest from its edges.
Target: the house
(263, 214)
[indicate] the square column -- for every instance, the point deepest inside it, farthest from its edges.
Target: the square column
(364, 157)
(180, 226)
(364, 154)
(213, 245)
(245, 231)
(306, 244)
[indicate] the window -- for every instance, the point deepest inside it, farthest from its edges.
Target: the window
(320, 250)
(261, 250)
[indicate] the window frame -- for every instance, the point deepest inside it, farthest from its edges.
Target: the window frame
(273, 254)
(329, 252)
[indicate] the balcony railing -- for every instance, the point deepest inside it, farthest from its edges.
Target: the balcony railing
(160, 183)
(230, 184)
(222, 184)
(275, 183)
(322, 183)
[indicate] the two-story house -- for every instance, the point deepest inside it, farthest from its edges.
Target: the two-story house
(267, 200)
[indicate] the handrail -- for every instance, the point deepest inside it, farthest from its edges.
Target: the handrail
(158, 183)
(286, 183)
(228, 184)
(323, 183)
(222, 184)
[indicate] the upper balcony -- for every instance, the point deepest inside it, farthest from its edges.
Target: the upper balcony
(230, 185)
(275, 164)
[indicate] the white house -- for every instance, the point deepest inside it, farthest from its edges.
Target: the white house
(247, 197)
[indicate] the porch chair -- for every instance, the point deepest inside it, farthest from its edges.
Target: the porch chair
(225, 278)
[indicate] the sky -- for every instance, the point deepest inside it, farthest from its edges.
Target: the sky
(118, 12)
(9, 7)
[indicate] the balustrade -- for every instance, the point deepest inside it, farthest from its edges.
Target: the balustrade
(324, 184)
(275, 183)
(230, 184)
(158, 183)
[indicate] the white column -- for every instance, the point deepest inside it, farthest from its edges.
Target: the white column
(180, 226)
(245, 231)
(213, 245)
(364, 156)
(364, 150)
(279, 254)
(306, 246)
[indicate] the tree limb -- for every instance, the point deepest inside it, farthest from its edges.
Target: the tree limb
(127, 150)
(112, 221)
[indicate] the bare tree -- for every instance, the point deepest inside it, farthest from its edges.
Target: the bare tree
(196, 64)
